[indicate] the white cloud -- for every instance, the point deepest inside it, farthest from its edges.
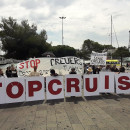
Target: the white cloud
(85, 19)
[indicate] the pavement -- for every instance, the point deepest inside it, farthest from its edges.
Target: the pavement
(104, 112)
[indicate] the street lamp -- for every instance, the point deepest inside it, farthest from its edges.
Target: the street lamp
(62, 27)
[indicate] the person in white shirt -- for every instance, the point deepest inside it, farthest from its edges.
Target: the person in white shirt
(34, 73)
(2, 75)
(106, 69)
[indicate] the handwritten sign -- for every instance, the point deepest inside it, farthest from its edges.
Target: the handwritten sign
(61, 65)
(98, 58)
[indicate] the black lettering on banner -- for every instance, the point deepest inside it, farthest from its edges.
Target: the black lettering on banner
(66, 60)
(21, 73)
(65, 67)
(51, 62)
(62, 61)
(57, 61)
(71, 61)
(77, 61)
(41, 72)
(98, 61)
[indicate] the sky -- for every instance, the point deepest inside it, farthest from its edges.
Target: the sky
(85, 19)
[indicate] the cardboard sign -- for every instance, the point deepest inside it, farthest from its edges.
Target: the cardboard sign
(122, 83)
(35, 88)
(91, 85)
(98, 58)
(15, 90)
(73, 85)
(54, 87)
(106, 82)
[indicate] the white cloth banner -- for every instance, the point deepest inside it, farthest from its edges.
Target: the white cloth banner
(61, 65)
(98, 58)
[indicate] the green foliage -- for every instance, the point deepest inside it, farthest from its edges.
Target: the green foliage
(89, 46)
(63, 50)
(120, 53)
(21, 41)
(107, 47)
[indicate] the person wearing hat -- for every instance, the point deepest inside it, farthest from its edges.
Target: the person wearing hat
(89, 70)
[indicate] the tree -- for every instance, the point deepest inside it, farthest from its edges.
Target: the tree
(120, 53)
(21, 41)
(89, 46)
(63, 50)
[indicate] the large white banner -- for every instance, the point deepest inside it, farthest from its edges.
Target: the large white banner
(91, 85)
(98, 58)
(122, 83)
(61, 65)
(73, 85)
(13, 90)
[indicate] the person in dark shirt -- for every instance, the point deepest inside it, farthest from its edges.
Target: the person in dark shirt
(72, 71)
(13, 71)
(122, 69)
(114, 69)
(8, 72)
(94, 69)
(53, 73)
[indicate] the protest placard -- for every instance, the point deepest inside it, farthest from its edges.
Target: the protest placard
(98, 58)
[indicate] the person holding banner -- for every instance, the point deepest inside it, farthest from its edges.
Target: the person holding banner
(8, 72)
(122, 69)
(34, 73)
(53, 73)
(2, 75)
(89, 70)
(114, 69)
(106, 69)
(72, 71)
(13, 71)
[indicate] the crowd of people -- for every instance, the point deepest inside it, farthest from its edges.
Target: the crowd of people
(9, 73)
(92, 69)
(88, 69)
